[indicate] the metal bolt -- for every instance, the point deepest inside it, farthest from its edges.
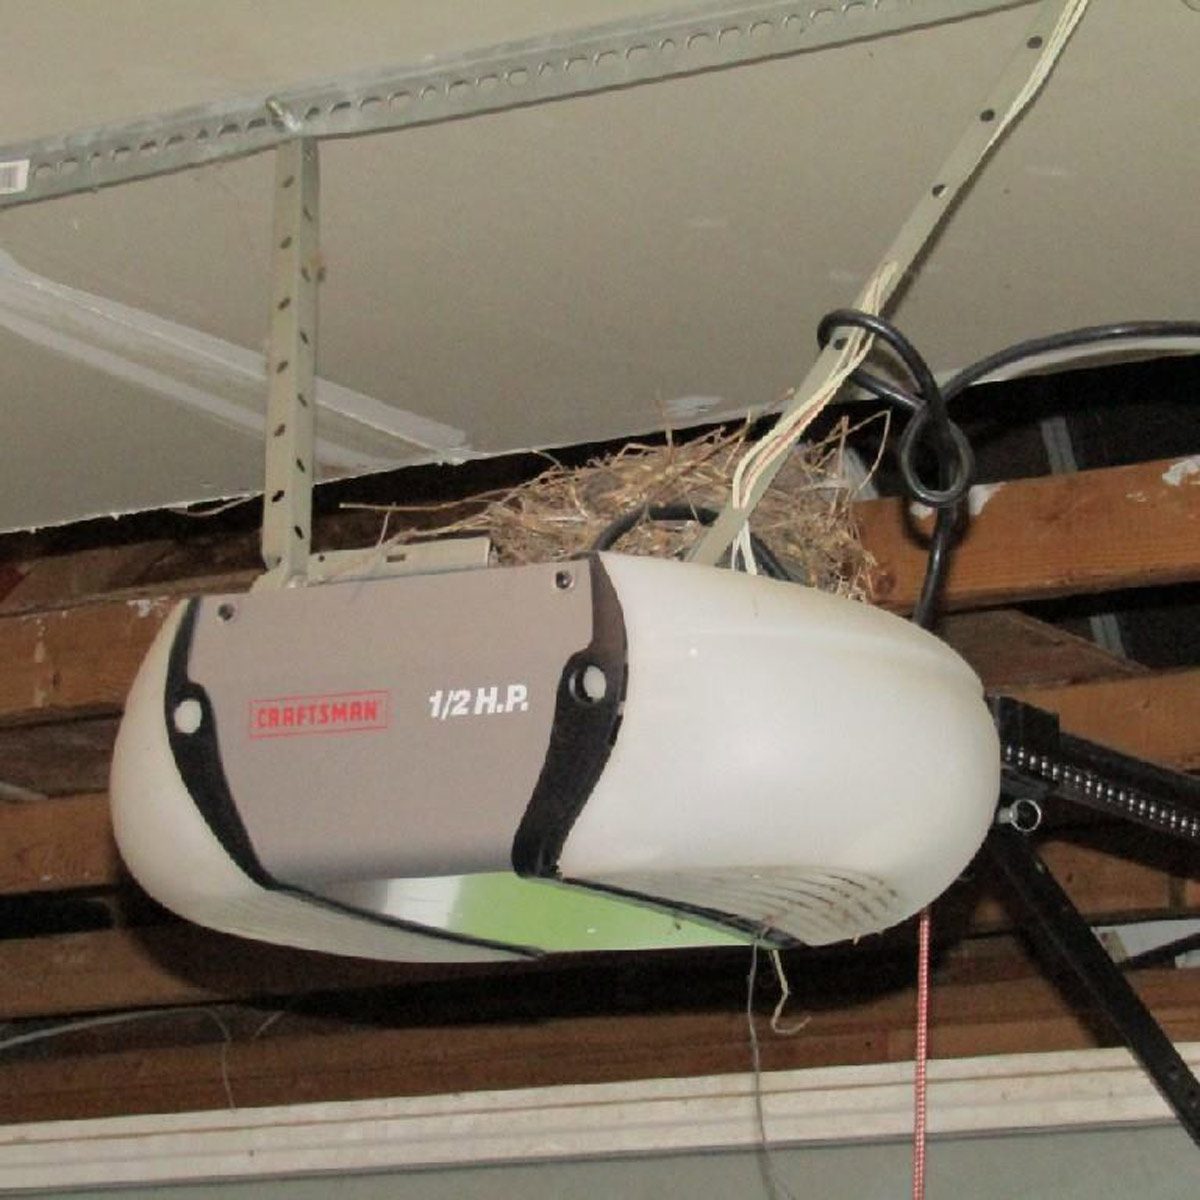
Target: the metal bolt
(1023, 815)
(281, 115)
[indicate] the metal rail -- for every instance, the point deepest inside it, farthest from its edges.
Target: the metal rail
(1026, 70)
(576, 62)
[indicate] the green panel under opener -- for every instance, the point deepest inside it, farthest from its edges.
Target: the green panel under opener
(555, 917)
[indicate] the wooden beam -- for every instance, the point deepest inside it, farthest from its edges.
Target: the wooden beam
(74, 661)
(1117, 527)
(62, 579)
(57, 759)
(1010, 649)
(66, 843)
(1092, 531)
(70, 845)
(425, 1057)
(1102, 885)
(11, 575)
(117, 969)
(1156, 716)
(1159, 722)
(56, 845)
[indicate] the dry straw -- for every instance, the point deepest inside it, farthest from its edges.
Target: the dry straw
(806, 517)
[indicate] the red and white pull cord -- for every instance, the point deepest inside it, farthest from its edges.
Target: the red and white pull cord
(921, 1058)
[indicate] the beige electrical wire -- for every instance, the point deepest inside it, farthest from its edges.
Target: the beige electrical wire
(790, 427)
(835, 364)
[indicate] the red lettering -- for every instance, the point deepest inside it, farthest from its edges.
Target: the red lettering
(348, 711)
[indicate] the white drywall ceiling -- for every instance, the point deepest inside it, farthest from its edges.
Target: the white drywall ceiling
(556, 274)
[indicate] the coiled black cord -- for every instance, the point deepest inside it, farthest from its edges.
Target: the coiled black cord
(930, 427)
(1071, 339)
(929, 430)
(929, 423)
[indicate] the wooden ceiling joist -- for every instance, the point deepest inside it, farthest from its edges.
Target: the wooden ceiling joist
(1024, 1014)
(1152, 715)
(177, 964)
(66, 843)
(1060, 535)
(1156, 717)
(1032, 539)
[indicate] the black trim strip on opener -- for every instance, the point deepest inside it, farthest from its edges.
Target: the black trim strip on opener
(581, 736)
(198, 755)
(398, 923)
(198, 760)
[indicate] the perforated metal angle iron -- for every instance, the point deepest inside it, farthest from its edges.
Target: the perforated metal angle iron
(575, 62)
(290, 434)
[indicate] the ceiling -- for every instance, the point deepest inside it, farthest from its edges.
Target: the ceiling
(556, 274)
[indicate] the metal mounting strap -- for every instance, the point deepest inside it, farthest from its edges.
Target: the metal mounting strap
(573, 62)
(1027, 69)
(291, 365)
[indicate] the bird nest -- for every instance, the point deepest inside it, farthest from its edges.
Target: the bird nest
(806, 517)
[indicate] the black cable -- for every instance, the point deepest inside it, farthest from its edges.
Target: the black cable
(941, 543)
(928, 403)
(927, 406)
(611, 534)
(1089, 335)
(885, 331)
(929, 427)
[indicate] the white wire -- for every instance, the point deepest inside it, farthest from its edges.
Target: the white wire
(761, 458)
(1059, 35)
(785, 994)
(744, 551)
(53, 1031)
(791, 426)
(1115, 349)
(38, 1035)
(774, 1182)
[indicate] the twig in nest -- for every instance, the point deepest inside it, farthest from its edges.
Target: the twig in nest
(806, 516)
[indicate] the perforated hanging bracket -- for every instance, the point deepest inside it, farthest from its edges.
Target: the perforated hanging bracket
(290, 427)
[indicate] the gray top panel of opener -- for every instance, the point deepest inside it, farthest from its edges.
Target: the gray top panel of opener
(391, 728)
